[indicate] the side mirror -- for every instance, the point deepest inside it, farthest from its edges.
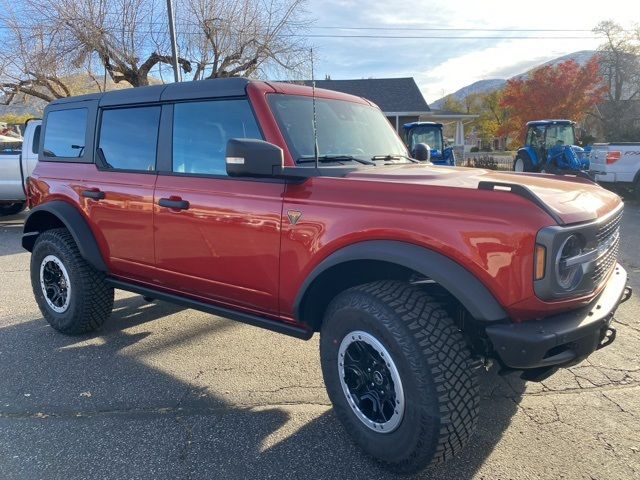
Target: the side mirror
(422, 152)
(249, 157)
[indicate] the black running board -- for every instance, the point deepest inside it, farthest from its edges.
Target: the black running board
(269, 324)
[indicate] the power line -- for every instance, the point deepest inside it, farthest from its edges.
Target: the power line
(372, 36)
(452, 29)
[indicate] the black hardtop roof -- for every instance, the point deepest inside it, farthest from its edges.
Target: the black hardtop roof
(218, 87)
(555, 121)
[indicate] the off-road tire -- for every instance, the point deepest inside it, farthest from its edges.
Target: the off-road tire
(434, 363)
(90, 300)
(12, 208)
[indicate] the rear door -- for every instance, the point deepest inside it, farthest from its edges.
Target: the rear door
(216, 237)
(118, 192)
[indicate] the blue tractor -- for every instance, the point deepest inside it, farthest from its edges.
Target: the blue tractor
(418, 134)
(550, 148)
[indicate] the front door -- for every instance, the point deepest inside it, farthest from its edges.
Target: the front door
(216, 238)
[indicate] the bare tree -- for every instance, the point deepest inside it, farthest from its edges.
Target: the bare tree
(620, 68)
(33, 60)
(244, 37)
(58, 48)
(129, 39)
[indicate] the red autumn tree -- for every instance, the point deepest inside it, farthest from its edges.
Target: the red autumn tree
(566, 90)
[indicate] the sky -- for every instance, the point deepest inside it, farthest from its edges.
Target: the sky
(442, 66)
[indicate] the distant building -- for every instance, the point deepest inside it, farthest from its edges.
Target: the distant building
(399, 99)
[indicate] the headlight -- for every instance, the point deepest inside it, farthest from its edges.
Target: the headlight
(569, 270)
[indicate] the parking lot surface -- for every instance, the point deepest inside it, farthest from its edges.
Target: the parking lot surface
(165, 392)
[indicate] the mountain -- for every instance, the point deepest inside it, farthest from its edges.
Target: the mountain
(486, 86)
(481, 86)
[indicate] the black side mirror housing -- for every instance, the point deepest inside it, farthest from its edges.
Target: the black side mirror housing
(249, 157)
(422, 152)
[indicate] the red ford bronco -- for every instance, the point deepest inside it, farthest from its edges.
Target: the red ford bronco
(302, 212)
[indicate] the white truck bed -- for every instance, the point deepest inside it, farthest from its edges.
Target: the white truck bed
(617, 165)
(17, 161)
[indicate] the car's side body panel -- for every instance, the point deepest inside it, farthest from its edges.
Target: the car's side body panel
(226, 245)
(336, 213)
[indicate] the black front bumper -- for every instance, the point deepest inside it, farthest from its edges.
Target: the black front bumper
(564, 339)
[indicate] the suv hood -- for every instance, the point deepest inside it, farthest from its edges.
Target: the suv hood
(571, 199)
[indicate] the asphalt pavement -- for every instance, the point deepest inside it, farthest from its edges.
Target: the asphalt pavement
(163, 392)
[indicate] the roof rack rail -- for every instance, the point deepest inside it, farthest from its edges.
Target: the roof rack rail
(523, 192)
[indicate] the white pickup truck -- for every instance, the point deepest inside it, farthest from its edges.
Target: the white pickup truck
(617, 166)
(18, 157)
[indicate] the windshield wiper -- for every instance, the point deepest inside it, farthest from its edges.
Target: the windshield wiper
(335, 158)
(394, 157)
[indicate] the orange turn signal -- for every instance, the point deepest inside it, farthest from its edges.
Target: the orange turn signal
(540, 262)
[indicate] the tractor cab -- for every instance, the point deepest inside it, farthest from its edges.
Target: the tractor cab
(428, 133)
(550, 146)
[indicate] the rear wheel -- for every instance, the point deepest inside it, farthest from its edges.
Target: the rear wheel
(399, 374)
(73, 296)
(12, 208)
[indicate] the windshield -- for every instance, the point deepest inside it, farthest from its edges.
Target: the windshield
(343, 128)
(426, 134)
(559, 135)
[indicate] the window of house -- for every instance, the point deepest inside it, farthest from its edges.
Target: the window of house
(201, 131)
(129, 138)
(65, 133)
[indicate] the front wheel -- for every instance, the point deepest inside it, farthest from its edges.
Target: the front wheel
(399, 374)
(73, 296)
(522, 164)
(12, 208)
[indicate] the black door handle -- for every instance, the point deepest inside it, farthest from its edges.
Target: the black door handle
(174, 204)
(94, 194)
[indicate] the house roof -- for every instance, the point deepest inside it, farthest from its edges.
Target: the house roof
(392, 95)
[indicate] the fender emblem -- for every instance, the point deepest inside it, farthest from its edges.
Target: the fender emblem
(294, 216)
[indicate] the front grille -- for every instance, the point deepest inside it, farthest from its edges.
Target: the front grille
(606, 262)
(608, 236)
(608, 228)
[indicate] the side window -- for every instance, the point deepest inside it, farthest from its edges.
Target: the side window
(201, 131)
(128, 138)
(530, 136)
(36, 139)
(65, 133)
(535, 137)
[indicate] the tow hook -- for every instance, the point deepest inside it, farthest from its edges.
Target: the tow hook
(609, 337)
(628, 291)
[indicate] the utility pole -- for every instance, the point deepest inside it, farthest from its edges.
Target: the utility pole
(174, 45)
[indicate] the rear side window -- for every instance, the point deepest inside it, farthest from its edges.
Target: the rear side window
(36, 139)
(129, 137)
(201, 131)
(65, 133)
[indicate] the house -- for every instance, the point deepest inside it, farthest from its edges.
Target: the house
(400, 100)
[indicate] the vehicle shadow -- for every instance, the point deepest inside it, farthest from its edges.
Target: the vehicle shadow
(342, 459)
(93, 407)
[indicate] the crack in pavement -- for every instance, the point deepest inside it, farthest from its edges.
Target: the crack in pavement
(155, 411)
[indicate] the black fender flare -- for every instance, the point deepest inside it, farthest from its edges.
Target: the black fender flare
(73, 220)
(462, 284)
